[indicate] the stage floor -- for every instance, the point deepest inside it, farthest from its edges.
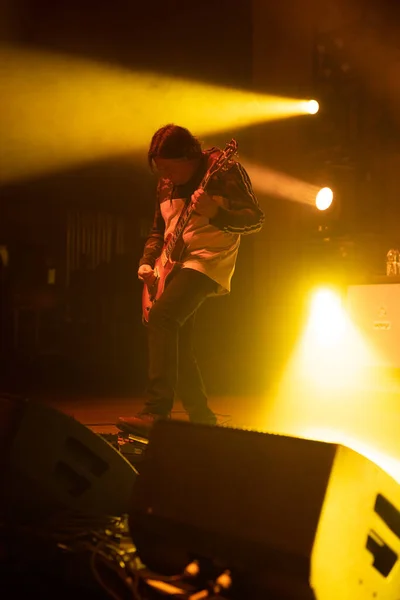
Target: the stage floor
(101, 413)
(368, 422)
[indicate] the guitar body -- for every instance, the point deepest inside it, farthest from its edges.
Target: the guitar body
(163, 269)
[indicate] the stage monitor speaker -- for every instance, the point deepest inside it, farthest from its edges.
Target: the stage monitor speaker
(52, 463)
(294, 518)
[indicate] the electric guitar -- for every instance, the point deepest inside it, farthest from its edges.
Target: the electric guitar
(165, 263)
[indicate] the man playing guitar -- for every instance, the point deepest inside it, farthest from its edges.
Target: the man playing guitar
(217, 192)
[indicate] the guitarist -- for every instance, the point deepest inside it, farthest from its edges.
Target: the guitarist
(210, 242)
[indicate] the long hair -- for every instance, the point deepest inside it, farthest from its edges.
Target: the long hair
(173, 141)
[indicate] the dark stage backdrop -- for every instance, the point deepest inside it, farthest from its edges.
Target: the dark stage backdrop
(88, 224)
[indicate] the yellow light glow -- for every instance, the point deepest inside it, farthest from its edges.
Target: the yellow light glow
(58, 111)
(331, 355)
(311, 107)
(327, 320)
(388, 463)
(329, 392)
(324, 198)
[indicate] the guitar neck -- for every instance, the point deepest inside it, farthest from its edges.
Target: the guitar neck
(184, 219)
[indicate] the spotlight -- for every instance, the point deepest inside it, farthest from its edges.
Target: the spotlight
(324, 198)
(312, 107)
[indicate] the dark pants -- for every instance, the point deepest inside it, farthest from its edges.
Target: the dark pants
(172, 363)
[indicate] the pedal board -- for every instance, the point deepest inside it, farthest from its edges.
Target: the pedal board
(132, 447)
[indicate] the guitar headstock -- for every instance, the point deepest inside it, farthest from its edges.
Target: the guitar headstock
(226, 158)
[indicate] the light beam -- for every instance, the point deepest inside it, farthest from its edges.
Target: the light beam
(58, 111)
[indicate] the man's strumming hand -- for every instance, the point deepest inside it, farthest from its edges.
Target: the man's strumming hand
(146, 274)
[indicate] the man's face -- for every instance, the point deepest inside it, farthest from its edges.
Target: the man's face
(178, 170)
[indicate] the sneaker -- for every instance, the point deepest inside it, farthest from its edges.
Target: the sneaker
(140, 424)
